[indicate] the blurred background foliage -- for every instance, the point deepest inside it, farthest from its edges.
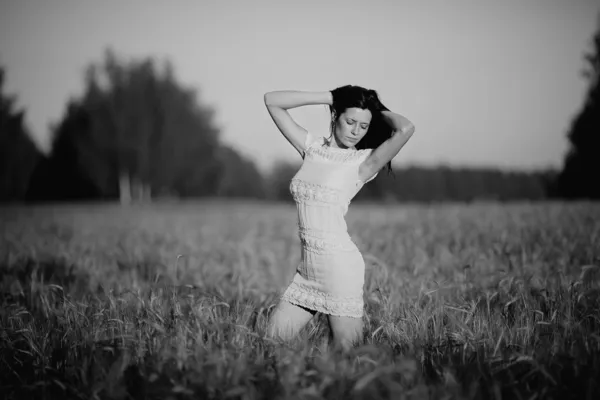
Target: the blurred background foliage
(137, 135)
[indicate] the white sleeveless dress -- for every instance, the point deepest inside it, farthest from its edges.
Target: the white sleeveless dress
(331, 273)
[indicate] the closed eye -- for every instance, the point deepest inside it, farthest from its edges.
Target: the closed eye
(352, 122)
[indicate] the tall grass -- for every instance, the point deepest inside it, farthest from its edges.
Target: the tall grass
(463, 302)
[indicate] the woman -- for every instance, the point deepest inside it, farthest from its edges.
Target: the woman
(365, 137)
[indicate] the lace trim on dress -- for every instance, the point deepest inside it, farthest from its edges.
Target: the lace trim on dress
(335, 154)
(351, 306)
(325, 246)
(306, 191)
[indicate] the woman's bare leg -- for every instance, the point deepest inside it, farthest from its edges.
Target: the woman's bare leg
(287, 320)
(346, 331)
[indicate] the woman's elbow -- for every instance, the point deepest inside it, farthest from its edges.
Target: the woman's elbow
(268, 98)
(408, 130)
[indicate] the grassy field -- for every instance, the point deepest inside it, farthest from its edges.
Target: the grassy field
(479, 301)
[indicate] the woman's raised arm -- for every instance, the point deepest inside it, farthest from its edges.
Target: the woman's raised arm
(403, 130)
(279, 102)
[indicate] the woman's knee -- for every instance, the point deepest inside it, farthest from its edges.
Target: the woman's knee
(279, 328)
(347, 332)
(347, 338)
(287, 320)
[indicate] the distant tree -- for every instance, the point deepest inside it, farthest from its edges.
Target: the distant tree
(18, 153)
(240, 177)
(433, 184)
(580, 177)
(61, 175)
(279, 179)
(134, 131)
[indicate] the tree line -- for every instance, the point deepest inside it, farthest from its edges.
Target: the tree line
(136, 134)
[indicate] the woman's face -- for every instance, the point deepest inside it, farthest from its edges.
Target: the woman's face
(351, 126)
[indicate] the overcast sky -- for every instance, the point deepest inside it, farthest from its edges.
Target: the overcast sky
(486, 82)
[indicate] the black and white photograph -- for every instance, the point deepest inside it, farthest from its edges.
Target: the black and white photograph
(284, 199)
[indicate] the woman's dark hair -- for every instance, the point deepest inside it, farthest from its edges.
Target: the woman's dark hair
(351, 96)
